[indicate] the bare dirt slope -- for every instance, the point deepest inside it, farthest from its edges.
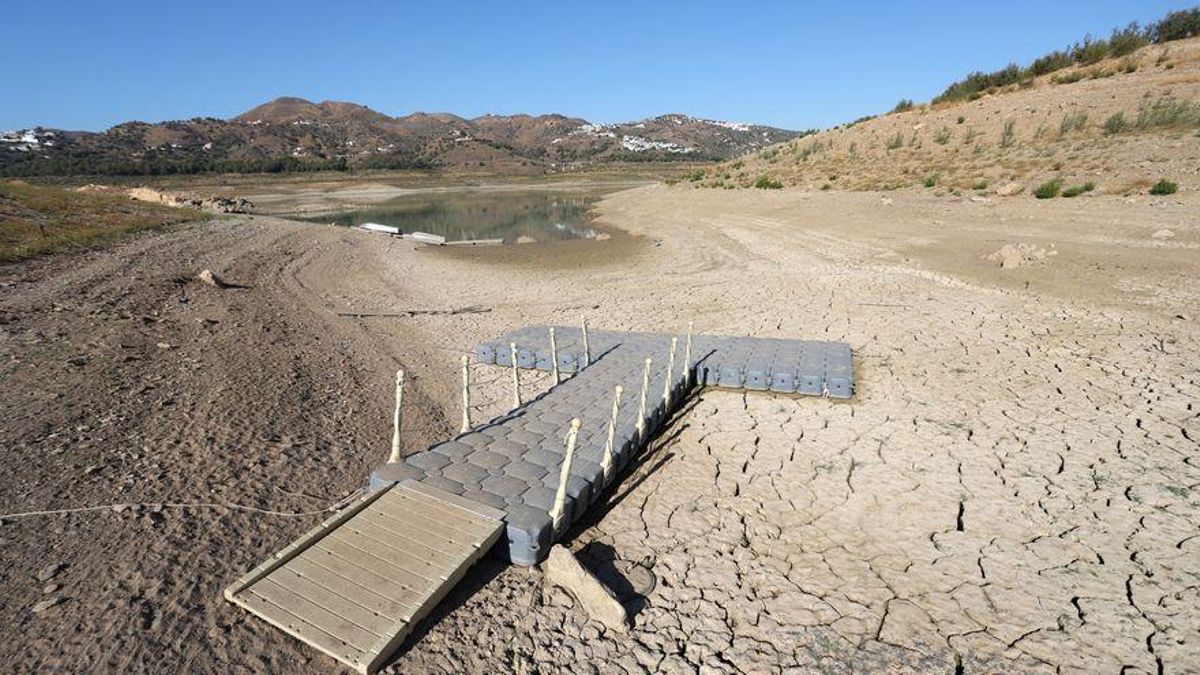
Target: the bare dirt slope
(125, 380)
(1012, 489)
(1055, 128)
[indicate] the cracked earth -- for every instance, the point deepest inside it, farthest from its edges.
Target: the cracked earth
(1014, 487)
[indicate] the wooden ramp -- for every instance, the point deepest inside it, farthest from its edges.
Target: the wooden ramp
(355, 586)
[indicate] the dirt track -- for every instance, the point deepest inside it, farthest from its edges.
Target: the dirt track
(1013, 488)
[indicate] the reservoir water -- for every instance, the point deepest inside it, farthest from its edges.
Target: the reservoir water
(459, 215)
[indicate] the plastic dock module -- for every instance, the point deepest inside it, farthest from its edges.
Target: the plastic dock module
(355, 586)
(514, 462)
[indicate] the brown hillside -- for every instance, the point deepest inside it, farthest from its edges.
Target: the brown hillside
(1122, 124)
(527, 130)
(287, 110)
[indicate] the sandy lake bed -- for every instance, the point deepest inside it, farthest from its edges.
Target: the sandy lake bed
(1013, 488)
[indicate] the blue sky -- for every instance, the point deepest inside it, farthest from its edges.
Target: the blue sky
(89, 65)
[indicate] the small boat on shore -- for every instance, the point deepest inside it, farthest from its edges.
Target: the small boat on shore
(376, 227)
(426, 238)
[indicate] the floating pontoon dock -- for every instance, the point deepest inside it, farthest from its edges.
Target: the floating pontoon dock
(354, 586)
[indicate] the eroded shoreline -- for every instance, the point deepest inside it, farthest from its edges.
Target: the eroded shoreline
(1010, 489)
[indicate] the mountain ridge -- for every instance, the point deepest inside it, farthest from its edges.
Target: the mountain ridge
(292, 133)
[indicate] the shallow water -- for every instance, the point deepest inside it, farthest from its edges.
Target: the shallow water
(540, 215)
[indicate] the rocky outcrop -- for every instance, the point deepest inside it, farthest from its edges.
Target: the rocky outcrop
(210, 204)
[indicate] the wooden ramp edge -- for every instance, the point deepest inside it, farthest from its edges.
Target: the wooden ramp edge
(355, 585)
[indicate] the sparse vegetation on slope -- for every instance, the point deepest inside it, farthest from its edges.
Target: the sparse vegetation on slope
(1164, 187)
(1168, 113)
(1088, 51)
(39, 219)
(765, 182)
(1049, 189)
(1124, 123)
(1076, 190)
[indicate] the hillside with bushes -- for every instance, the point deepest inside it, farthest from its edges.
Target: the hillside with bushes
(1119, 115)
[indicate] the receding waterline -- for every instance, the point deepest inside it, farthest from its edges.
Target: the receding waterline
(512, 216)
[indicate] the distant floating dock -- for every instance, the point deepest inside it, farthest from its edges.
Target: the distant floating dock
(512, 478)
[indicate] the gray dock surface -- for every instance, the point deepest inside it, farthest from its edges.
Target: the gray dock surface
(513, 462)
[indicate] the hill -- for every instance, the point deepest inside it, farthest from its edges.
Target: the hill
(293, 134)
(1120, 123)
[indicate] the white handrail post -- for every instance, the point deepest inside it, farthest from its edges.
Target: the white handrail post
(667, 385)
(641, 420)
(560, 497)
(395, 456)
(606, 463)
(553, 355)
(587, 349)
(687, 356)
(466, 394)
(516, 376)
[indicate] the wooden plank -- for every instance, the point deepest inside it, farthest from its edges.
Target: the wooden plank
(421, 548)
(331, 600)
(475, 522)
(441, 499)
(394, 558)
(396, 586)
(306, 632)
(355, 586)
(366, 591)
(398, 518)
(403, 514)
(331, 554)
(385, 648)
(315, 615)
(415, 525)
(462, 522)
(294, 549)
(421, 543)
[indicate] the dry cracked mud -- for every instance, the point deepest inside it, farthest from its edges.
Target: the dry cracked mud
(1014, 488)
